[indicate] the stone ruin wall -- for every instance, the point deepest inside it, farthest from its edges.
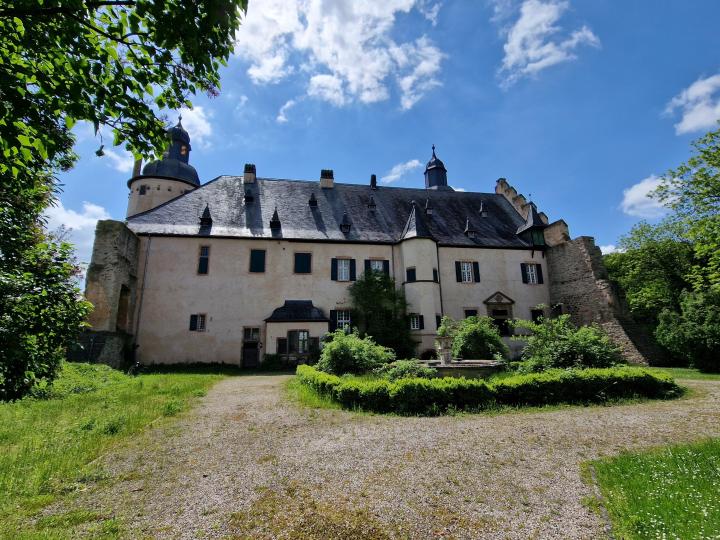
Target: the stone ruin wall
(111, 286)
(578, 279)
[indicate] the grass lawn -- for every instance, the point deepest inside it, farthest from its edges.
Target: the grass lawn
(47, 446)
(665, 493)
(688, 373)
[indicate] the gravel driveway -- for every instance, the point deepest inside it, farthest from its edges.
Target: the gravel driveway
(248, 463)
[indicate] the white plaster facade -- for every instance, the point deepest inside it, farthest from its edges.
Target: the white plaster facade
(232, 298)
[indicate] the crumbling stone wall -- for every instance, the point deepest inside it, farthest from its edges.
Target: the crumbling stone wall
(111, 286)
(580, 285)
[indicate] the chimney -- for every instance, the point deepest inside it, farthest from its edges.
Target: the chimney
(327, 178)
(249, 173)
(137, 167)
(373, 181)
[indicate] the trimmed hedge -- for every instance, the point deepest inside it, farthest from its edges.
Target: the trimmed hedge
(436, 396)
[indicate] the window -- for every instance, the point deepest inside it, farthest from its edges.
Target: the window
(143, 190)
(536, 314)
(471, 313)
(251, 334)
(531, 273)
(257, 260)
(435, 275)
(197, 322)
(502, 317)
(343, 319)
(343, 270)
(303, 263)
(438, 321)
(204, 260)
(298, 341)
(377, 266)
(538, 238)
(410, 275)
(414, 322)
(467, 271)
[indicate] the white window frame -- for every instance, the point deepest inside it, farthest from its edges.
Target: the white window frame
(343, 319)
(414, 321)
(201, 322)
(377, 265)
(532, 273)
(343, 269)
(466, 271)
(303, 341)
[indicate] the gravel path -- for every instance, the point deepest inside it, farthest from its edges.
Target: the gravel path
(248, 463)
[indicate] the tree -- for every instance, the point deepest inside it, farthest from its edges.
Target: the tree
(380, 310)
(693, 192)
(693, 333)
(113, 63)
(652, 268)
(476, 338)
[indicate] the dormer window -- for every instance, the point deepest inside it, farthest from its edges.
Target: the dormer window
(538, 237)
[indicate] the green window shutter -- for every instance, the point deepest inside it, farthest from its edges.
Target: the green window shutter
(476, 271)
(386, 267)
(458, 272)
(523, 270)
(257, 260)
(353, 274)
(422, 322)
(367, 265)
(333, 320)
(333, 269)
(435, 275)
(438, 321)
(539, 273)
(193, 323)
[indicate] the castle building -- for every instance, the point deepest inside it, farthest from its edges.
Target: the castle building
(243, 266)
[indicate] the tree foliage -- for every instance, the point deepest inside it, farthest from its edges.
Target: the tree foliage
(556, 343)
(693, 332)
(476, 338)
(349, 353)
(115, 64)
(379, 310)
(653, 268)
(693, 191)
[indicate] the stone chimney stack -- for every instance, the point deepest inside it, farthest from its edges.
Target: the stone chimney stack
(249, 174)
(327, 178)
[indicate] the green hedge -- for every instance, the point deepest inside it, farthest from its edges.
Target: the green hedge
(436, 396)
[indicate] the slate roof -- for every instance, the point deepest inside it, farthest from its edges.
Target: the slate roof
(386, 223)
(297, 311)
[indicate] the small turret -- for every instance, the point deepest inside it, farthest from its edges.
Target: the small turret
(435, 173)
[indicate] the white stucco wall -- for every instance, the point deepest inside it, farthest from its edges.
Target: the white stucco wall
(170, 290)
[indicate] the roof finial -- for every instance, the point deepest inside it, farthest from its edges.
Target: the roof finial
(433, 148)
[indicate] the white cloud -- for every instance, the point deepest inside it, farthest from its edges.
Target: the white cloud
(636, 200)
(430, 12)
(197, 123)
(120, 160)
(699, 104)
(282, 117)
(344, 48)
(532, 43)
(400, 170)
(610, 248)
(80, 225)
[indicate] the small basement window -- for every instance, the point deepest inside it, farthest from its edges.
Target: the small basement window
(197, 322)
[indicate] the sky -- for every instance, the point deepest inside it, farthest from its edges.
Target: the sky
(580, 104)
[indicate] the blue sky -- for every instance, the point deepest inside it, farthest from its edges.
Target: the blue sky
(580, 103)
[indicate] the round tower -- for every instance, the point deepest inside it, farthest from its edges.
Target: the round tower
(166, 178)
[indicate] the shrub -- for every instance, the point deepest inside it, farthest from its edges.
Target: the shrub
(404, 369)
(556, 343)
(348, 353)
(438, 395)
(474, 337)
(694, 333)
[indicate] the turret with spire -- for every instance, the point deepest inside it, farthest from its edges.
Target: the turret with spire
(435, 173)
